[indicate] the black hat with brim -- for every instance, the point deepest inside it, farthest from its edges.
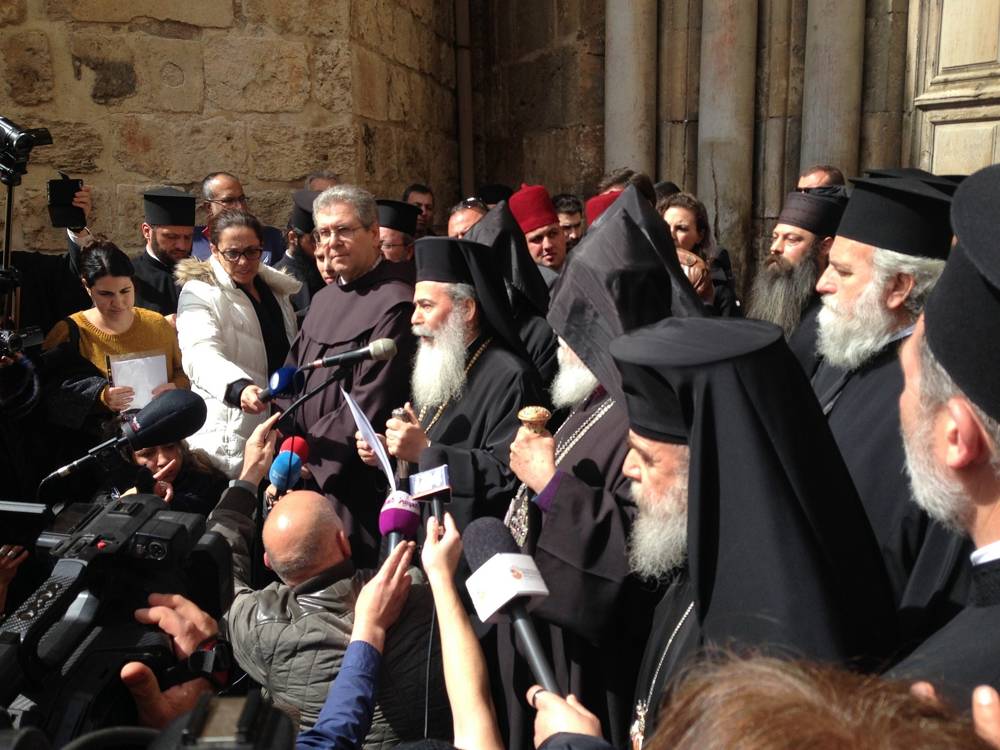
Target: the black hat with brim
(168, 207)
(397, 215)
(302, 211)
(816, 213)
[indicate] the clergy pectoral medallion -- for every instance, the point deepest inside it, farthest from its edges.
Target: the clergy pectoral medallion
(637, 732)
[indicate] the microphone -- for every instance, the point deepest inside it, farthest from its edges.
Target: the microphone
(297, 445)
(168, 418)
(285, 470)
(502, 584)
(281, 381)
(432, 485)
(378, 350)
(399, 518)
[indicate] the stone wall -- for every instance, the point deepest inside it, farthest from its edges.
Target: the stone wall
(144, 92)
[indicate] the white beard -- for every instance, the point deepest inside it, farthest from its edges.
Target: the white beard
(849, 338)
(939, 495)
(658, 542)
(573, 383)
(439, 369)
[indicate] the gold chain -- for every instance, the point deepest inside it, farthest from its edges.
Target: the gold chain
(437, 415)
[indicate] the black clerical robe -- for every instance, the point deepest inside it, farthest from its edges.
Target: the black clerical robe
(342, 318)
(541, 343)
(303, 268)
(927, 564)
(577, 532)
(474, 432)
(965, 653)
(155, 288)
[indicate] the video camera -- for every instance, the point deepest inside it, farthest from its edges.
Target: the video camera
(62, 650)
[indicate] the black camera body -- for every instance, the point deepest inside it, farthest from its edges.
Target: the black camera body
(62, 650)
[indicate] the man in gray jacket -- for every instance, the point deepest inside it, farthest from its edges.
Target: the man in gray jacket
(291, 635)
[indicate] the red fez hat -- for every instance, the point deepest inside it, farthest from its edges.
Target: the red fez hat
(532, 207)
(599, 204)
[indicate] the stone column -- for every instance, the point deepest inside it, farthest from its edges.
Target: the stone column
(630, 85)
(726, 120)
(831, 96)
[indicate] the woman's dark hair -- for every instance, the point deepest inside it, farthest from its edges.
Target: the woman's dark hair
(705, 248)
(235, 217)
(103, 258)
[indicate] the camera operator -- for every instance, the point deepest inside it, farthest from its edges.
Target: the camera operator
(292, 635)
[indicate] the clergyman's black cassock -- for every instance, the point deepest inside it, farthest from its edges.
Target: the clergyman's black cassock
(780, 554)
(594, 621)
(526, 289)
(155, 287)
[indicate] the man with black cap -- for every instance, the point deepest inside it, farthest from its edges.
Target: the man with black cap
(299, 259)
(950, 417)
(785, 285)
(369, 299)
(470, 378)
(887, 255)
(746, 510)
(526, 289)
(168, 231)
(573, 510)
(397, 227)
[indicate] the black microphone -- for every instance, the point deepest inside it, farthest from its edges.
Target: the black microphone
(282, 380)
(379, 349)
(503, 586)
(168, 418)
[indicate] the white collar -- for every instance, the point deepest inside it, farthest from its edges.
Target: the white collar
(987, 553)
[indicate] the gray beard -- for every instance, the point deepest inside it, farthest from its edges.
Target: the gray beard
(657, 544)
(939, 495)
(849, 338)
(573, 383)
(439, 369)
(781, 290)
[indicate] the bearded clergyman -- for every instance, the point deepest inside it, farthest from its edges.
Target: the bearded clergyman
(784, 288)
(470, 377)
(888, 254)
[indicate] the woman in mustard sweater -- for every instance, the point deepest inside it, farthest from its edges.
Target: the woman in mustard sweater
(114, 325)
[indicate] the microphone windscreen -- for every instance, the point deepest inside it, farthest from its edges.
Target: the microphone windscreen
(382, 349)
(168, 418)
(484, 538)
(285, 470)
(297, 445)
(400, 514)
(282, 380)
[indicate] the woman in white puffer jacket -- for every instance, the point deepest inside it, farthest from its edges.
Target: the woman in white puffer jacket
(235, 322)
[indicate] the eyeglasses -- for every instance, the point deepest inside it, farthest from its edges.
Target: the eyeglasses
(330, 234)
(391, 245)
(236, 200)
(474, 203)
(234, 256)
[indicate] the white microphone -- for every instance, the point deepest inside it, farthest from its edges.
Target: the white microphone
(378, 350)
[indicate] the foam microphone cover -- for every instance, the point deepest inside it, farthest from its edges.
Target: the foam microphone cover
(297, 445)
(484, 538)
(382, 349)
(400, 514)
(168, 418)
(285, 470)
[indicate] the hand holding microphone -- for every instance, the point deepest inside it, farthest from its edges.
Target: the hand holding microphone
(405, 439)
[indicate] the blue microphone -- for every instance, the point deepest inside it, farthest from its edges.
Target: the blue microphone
(282, 381)
(285, 470)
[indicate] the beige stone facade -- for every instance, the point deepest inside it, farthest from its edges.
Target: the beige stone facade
(144, 92)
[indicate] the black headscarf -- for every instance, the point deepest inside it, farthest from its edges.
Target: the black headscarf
(780, 550)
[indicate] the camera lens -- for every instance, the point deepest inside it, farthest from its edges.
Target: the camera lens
(157, 550)
(10, 343)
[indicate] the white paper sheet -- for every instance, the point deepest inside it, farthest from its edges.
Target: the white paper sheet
(371, 437)
(142, 374)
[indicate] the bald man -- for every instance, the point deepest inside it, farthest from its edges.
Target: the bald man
(290, 636)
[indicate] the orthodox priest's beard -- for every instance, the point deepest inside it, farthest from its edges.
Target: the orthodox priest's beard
(850, 337)
(439, 369)
(941, 496)
(573, 383)
(658, 542)
(781, 290)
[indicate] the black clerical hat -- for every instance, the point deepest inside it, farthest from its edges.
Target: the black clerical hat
(168, 207)
(944, 183)
(397, 215)
(302, 210)
(962, 313)
(816, 213)
(612, 283)
(499, 230)
(455, 261)
(902, 214)
(494, 193)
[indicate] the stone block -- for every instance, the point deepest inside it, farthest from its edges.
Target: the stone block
(444, 71)
(28, 67)
(170, 73)
(331, 74)
(377, 161)
(126, 229)
(881, 140)
(442, 21)
(404, 44)
(111, 62)
(534, 28)
(300, 17)
(76, 148)
(211, 13)
(31, 229)
(569, 21)
(253, 74)
(271, 206)
(399, 94)
(173, 149)
(286, 154)
(534, 90)
(365, 23)
(370, 84)
(12, 12)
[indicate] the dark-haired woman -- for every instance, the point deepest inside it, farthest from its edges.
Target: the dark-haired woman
(114, 325)
(235, 323)
(187, 479)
